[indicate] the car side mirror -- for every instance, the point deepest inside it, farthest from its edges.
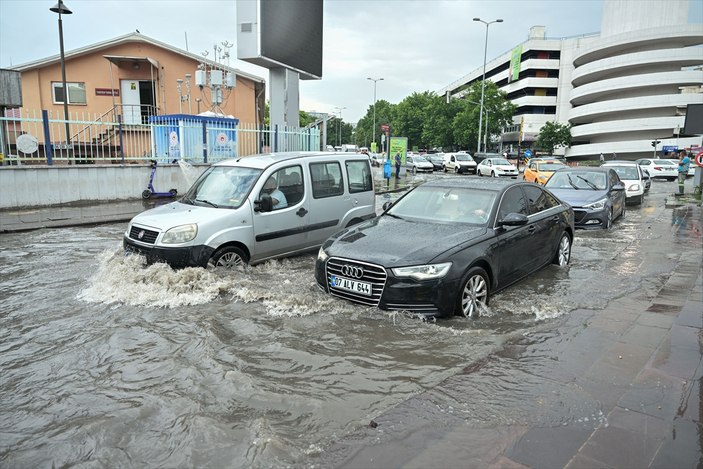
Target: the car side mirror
(619, 186)
(513, 219)
(264, 204)
(387, 205)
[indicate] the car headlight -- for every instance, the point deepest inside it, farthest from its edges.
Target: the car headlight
(599, 204)
(634, 188)
(180, 234)
(543, 177)
(423, 272)
(322, 255)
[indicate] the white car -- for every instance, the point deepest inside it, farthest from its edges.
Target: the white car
(659, 168)
(691, 167)
(632, 175)
(417, 163)
(460, 162)
(497, 167)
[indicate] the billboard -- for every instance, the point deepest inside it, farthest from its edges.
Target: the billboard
(281, 33)
(694, 120)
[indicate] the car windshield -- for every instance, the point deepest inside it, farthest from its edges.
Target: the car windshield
(577, 180)
(445, 204)
(501, 161)
(463, 157)
(550, 166)
(222, 186)
(626, 172)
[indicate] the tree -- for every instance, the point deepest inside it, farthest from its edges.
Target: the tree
(411, 117)
(553, 135)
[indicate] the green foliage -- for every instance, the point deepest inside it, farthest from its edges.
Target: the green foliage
(553, 135)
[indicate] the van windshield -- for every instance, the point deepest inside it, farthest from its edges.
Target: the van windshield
(222, 186)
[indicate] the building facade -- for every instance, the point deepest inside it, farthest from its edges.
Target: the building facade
(620, 90)
(139, 76)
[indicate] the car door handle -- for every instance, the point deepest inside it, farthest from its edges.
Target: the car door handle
(531, 228)
(301, 212)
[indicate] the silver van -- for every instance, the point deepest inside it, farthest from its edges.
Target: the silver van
(251, 209)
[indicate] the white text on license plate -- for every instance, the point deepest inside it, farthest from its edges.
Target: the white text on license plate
(350, 285)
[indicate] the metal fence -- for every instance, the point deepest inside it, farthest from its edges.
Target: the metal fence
(40, 138)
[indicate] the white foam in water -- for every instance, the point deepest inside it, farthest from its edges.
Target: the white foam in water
(127, 280)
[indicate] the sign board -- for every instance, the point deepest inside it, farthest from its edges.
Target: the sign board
(528, 153)
(385, 128)
(399, 145)
(699, 159)
(670, 148)
(106, 92)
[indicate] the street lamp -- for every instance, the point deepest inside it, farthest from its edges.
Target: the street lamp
(62, 9)
(373, 130)
(483, 80)
(339, 125)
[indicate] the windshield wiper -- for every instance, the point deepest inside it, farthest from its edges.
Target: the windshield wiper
(568, 176)
(590, 184)
(394, 216)
(187, 200)
(207, 202)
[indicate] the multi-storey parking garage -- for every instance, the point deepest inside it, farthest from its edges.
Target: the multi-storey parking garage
(620, 90)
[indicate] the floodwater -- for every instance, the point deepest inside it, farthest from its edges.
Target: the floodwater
(105, 362)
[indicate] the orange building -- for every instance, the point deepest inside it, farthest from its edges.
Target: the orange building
(138, 76)
(115, 88)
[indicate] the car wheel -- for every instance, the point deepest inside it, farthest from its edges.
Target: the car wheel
(622, 212)
(479, 172)
(474, 293)
(493, 174)
(414, 169)
(444, 168)
(609, 220)
(456, 170)
(563, 254)
(229, 257)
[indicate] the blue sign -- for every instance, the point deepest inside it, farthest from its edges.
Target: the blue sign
(670, 148)
(528, 153)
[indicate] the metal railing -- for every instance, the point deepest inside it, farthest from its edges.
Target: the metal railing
(39, 138)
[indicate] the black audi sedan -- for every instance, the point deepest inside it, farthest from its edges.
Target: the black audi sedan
(447, 245)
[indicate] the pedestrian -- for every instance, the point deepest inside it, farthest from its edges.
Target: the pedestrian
(397, 165)
(684, 163)
(602, 158)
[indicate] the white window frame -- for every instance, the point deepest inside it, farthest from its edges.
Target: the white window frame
(58, 84)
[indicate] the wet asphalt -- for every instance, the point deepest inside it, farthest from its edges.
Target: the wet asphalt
(640, 359)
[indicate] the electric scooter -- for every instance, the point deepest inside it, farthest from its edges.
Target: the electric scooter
(151, 192)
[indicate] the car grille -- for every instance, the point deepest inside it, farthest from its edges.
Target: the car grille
(579, 215)
(373, 274)
(143, 235)
(415, 308)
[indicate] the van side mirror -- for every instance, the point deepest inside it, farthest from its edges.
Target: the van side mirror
(387, 205)
(264, 204)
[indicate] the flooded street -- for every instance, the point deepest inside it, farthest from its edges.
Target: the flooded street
(106, 362)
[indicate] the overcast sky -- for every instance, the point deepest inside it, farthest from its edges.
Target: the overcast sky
(414, 46)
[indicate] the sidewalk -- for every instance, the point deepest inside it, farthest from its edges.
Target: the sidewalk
(13, 220)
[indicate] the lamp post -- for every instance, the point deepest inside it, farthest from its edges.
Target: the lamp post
(483, 80)
(373, 130)
(62, 9)
(339, 125)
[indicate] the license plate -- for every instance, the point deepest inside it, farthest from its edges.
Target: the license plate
(350, 285)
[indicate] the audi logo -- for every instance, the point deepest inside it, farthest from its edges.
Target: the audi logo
(352, 271)
(141, 234)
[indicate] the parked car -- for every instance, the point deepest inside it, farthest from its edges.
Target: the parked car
(437, 160)
(459, 163)
(417, 163)
(249, 210)
(480, 156)
(632, 175)
(539, 171)
(496, 167)
(660, 169)
(691, 167)
(376, 159)
(466, 239)
(596, 194)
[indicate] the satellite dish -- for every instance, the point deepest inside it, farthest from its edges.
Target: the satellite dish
(27, 144)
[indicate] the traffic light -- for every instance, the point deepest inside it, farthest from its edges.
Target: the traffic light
(654, 143)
